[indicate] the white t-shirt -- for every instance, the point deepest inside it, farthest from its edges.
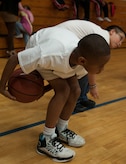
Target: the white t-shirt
(82, 28)
(50, 49)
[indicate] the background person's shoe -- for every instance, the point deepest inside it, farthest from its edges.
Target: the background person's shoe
(100, 19)
(89, 103)
(107, 19)
(80, 108)
(19, 36)
(10, 53)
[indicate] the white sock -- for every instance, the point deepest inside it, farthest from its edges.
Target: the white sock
(49, 131)
(62, 124)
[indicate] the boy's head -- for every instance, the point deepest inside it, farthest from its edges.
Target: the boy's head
(117, 36)
(93, 52)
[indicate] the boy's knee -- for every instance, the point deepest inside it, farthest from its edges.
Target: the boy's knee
(65, 90)
(76, 92)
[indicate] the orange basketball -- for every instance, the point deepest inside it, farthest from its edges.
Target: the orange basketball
(26, 87)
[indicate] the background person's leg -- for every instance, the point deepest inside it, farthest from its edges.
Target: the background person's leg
(10, 38)
(83, 100)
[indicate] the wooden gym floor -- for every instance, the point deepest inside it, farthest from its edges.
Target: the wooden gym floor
(103, 127)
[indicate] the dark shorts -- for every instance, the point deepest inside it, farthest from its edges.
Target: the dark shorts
(8, 17)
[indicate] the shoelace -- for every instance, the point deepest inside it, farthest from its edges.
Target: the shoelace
(69, 133)
(56, 142)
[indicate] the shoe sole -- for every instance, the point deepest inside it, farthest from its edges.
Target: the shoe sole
(56, 159)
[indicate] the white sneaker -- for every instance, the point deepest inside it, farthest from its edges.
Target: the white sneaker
(71, 138)
(52, 147)
(19, 36)
(100, 19)
(107, 19)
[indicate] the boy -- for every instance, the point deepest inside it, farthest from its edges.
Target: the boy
(59, 56)
(114, 35)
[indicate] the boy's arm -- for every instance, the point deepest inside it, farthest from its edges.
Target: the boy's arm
(8, 70)
(93, 86)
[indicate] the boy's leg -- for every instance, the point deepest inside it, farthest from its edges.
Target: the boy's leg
(66, 135)
(48, 143)
(74, 93)
(58, 101)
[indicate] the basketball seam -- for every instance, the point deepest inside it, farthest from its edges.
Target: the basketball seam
(28, 80)
(23, 93)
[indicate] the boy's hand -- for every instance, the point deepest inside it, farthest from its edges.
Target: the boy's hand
(7, 94)
(94, 92)
(8, 70)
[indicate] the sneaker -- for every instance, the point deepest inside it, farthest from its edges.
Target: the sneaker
(19, 36)
(52, 147)
(71, 138)
(89, 103)
(11, 53)
(80, 108)
(100, 19)
(107, 19)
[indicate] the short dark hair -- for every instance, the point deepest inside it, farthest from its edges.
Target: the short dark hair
(118, 29)
(93, 45)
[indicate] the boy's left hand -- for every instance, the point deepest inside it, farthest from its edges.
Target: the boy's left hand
(94, 93)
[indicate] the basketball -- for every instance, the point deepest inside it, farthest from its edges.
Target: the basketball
(26, 87)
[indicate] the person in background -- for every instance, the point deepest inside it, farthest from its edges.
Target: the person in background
(9, 14)
(101, 5)
(114, 35)
(24, 26)
(60, 4)
(85, 4)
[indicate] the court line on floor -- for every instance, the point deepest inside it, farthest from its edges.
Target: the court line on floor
(42, 122)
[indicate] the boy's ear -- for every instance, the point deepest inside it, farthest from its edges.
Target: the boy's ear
(112, 31)
(81, 60)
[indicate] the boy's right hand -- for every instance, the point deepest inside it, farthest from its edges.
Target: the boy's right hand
(7, 94)
(8, 70)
